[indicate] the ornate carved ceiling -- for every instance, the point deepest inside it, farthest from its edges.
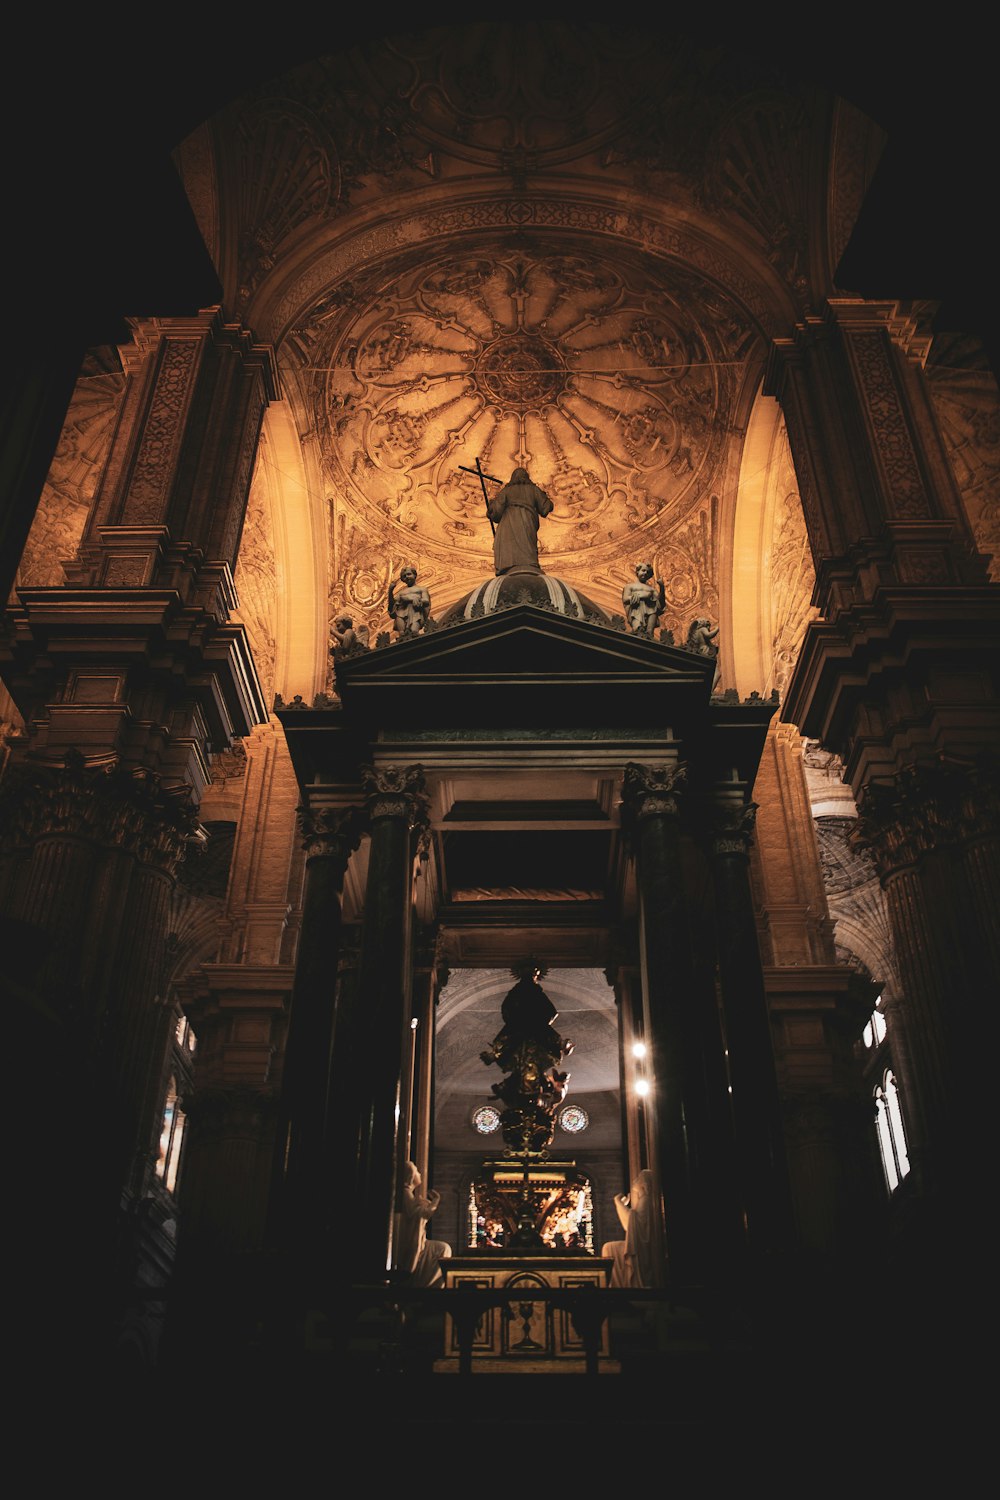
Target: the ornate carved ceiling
(615, 387)
(541, 244)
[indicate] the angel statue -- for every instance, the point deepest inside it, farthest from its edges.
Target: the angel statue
(410, 608)
(643, 602)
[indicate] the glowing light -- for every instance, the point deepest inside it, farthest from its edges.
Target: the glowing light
(414, 1024)
(642, 1086)
(638, 1049)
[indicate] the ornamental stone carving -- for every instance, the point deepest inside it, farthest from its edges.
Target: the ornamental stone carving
(331, 832)
(396, 792)
(409, 607)
(926, 808)
(643, 602)
(648, 791)
(732, 833)
(126, 810)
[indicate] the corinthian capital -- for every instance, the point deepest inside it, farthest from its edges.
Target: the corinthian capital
(106, 805)
(331, 832)
(732, 829)
(649, 790)
(924, 808)
(396, 792)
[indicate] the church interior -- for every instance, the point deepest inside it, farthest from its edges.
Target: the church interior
(528, 930)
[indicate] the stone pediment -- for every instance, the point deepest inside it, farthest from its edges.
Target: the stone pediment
(521, 663)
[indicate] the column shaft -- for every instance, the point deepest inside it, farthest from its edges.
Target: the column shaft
(306, 1187)
(759, 1127)
(383, 1011)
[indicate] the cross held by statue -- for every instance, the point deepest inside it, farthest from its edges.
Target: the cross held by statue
(482, 480)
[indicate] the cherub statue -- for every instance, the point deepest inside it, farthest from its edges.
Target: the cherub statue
(701, 638)
(643, 603)
(409, 609)
(346, 640)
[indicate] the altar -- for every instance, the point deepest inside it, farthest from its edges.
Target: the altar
(530, 1313)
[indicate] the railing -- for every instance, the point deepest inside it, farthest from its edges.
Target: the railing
(589, 1309)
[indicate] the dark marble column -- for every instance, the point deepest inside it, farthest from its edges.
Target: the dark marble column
(762, 1173)
(99, 848)
(430, 977)
(306, 1190)
(87, 918)
(651, 817)
(396, 808)
(933, 831)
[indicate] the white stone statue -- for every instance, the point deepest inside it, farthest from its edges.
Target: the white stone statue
(514, 511)
(643, 601)
(701, 638)
(414, 1253)
(634, 1258)
(410, 608)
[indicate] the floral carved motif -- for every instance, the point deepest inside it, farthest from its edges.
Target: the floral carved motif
(965, 396)
(894, 445)
(397, 792)
(927, 808)
(651, 790)
(152, 473)
(72, 479)
(127, 810)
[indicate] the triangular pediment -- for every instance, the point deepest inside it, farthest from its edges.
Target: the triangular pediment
(525, 641)
(528, 676)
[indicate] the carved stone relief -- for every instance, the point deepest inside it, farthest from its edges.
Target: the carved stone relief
(856, 901)
(256, 581)
(756, 166)
(792, 576)
(604, 383)
(965, 395)
(72, 478)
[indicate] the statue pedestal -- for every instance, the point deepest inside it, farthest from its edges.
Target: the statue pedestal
(511, 1326)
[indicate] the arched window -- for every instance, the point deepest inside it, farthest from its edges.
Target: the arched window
(171, 1138)
(891, 1136)
(173, 1119)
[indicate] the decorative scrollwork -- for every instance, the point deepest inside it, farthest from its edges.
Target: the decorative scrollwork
(331, 832)
(110, 805)
(732, 833)
(397, 792)
(651, 790)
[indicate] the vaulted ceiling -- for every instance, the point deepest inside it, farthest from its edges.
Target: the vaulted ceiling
(549, 242)
(545, 244)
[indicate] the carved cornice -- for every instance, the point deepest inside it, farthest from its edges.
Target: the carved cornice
(331, 832)
(651, 791)
(732, 832)
(397, 792)
(109, 806)
(927, 808)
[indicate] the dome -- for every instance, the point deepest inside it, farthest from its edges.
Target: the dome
(523, 587)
